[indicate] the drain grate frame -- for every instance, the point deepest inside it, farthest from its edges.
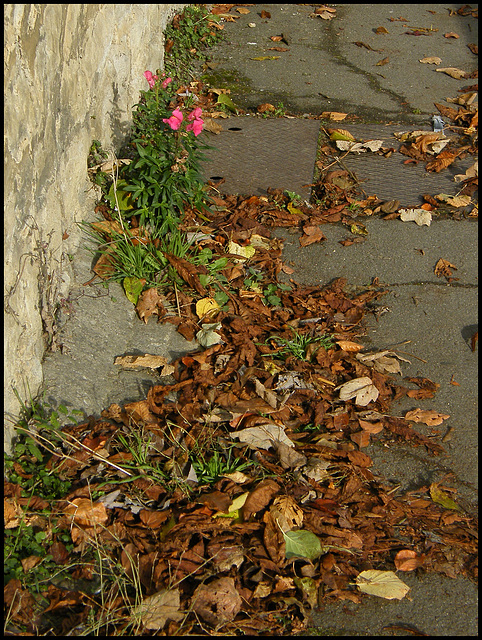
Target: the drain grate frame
(390, 179)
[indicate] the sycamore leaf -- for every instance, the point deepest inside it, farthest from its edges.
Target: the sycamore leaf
(304, 544)
(383, 584)
(362, 389)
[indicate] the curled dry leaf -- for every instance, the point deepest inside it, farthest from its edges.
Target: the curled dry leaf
(443, 268)
(383, 361)
(408, 560)
(431, 60)
(146, 361)
(334, 115)
(453, 72)
(349, 346)
(426, 416)
(208, 336)
(471, 172)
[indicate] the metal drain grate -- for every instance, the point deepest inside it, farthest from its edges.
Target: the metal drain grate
(252, 154)
(389, 178)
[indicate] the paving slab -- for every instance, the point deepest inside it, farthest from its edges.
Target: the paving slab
(252, 154)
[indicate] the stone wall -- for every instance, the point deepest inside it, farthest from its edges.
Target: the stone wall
(71, 75)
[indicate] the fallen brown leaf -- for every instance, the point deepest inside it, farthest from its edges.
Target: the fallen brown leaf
(426, 416)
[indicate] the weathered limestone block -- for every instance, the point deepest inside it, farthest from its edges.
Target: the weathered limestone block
(72, 73)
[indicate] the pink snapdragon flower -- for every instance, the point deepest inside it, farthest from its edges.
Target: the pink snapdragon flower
(175, 120)
(166, 82)
(197, 125)
(195, 114)
(151, 79)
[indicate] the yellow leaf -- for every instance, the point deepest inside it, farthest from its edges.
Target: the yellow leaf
(266, 58)
(383, 584)
(234, 507)
(442, 498)
(292, 209)
(207, 308)
(244, 253)
(340, 134)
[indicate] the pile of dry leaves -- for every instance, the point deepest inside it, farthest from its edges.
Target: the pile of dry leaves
(296, 518)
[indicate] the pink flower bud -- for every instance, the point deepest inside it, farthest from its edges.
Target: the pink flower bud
(166, 82)
(151, 79)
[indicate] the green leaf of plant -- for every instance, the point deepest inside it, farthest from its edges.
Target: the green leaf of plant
(223, 98)
(124, 199)
(133, 287)
(304, 544)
